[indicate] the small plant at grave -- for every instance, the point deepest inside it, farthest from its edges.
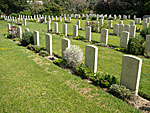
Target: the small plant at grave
(120, 49)
(43, 53)
(92, 25)
(73, 56)
(61, 34)
(27, 38)
(59, 62)
(93, 18)
(10, 36)
(105, 80)
(79, 37)
(122, 92)
(35, 48)
(83, 71)
(16, 39)
(145, 32)
(136, 45)
(122, 19)
(104, 25)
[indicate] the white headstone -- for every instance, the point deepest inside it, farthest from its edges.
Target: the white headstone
(116, 29)
(48, 26)
(131, 71)
(110, 23)
(65, 29)
(65, 43)
(124, 39)
(147, 45)
(48, 42)
(121, 28)
(104, 36)
(20, 32)
(75, 30)
(78, 23)
(132, 30)
(88, 33)
(55, 27)
(127, 28)
(27, 30)
(91, 56)
(36, 38)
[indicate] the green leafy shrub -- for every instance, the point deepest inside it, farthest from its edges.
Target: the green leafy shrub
(105, 80)
(73, 56)
(35, 48)
(27, 38)
(59, 62)
(84, 18)
(136, 46)
(104, 25)
(79, 37)
(145, 32)
(10, 36)
(43, 53)
(16, 39)
(83, 71)
(93, 18)
(121, 92)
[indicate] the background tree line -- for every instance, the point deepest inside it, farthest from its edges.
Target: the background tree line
(56, 7)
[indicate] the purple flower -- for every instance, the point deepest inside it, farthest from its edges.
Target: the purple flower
(104, 80)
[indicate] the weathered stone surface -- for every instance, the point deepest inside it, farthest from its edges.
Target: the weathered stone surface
(110, 23)
(88, 33)
(120, 22)
(48, 26)
(55, 27)
(48, 43)
(147, 45)
(91, 55)
(65, 29)
(116, 29)
(25, 22)
(145, 25)
(20, 32)
(104, 36)
(124, 39)
(97, 27)
(132, 30)
(131, 71)
(75, 30)
(101, 21)
(65, 43)
(36, 38)
(127, 28)
(121, 28)
(9, 28)
(132, 23)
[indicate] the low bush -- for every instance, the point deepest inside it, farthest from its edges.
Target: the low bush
(79, 37)
(59, 62)
(122, 92)
(73, 56)
(10, 36)
(27, 38)
(43, 53)
(145, 32)
(83, 71)
(35, 48)
(136, 46)
(93, 18)
(105, 80)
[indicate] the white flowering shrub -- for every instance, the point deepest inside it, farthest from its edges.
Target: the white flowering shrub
(73, 56)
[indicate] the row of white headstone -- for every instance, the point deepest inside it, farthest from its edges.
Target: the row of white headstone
(131, 65)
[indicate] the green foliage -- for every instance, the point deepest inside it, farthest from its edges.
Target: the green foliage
(35, 48)
(93, 18)
(10, 36)
(145, 32)
(142, 94)
(104, 25)
(105, 80)
(25, 12)
(79, 37)
(136, 46)
(43, 53)
(121, 92)
(16, 39)
(83, 71)
(27, 38)
(59, 62)
(120, 49)
(14, 14)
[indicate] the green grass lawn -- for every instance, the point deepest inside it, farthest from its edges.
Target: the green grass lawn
(31, 84)
(109, 60)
